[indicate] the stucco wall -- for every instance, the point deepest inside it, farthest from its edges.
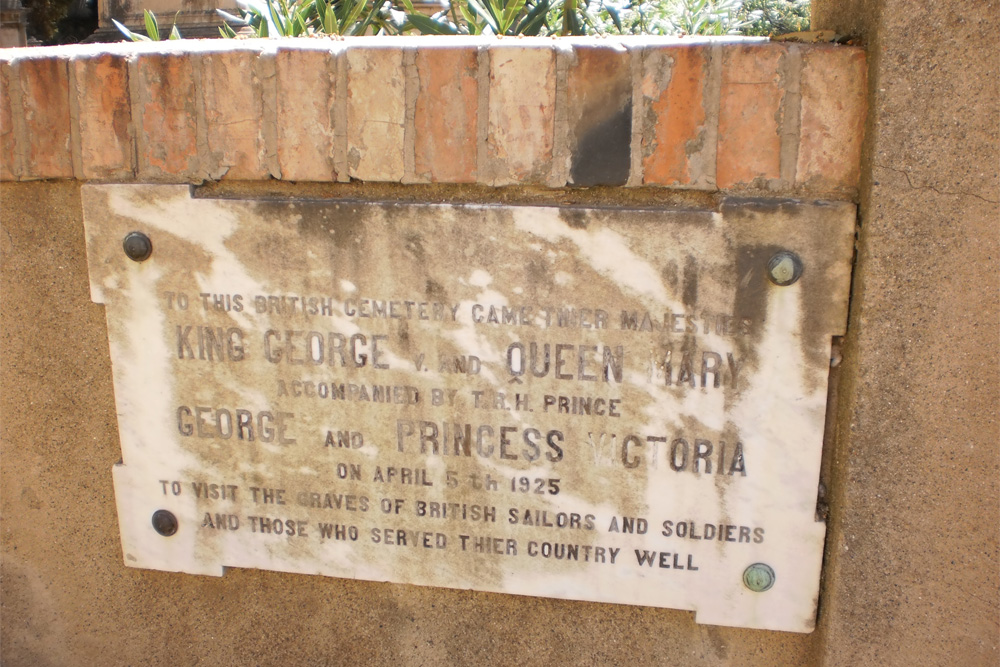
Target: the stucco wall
(912, 554)
(912, 470)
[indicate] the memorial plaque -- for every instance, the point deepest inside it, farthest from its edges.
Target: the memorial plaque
(612, 405)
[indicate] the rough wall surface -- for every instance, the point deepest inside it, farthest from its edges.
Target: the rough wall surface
(912, 553)
(68, 599)
(630, 111)
(914, 477)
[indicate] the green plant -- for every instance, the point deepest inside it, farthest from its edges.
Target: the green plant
(300, 18)
(477, 17)
(152, 29)
(774, 17)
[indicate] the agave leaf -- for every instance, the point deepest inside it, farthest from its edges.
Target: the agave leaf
(135, 37)
(274, 18)
(615, 16)
(229, 18)
(152, 29)
(226, 32)
(174, 33)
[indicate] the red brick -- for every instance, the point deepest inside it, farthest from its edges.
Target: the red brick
(679, 147)
(521, 120)
(7, 168)
(750, 106)
(376, 112)
(167, 133)
(599, 115)
(234, 111)
(446, 116)
(46, 146)
(306, 89)
(834, 105)
(105, 117)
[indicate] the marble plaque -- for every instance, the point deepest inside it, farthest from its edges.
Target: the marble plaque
(611, 405)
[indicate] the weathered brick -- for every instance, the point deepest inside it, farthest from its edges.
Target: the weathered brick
(521, 118)
(46, 146)
(7, 168)
(750, 104)
(306, 89)
(167, 117)
(234, 108)
(104, 117)
(833, 111)
(679, 133)
(376, 113)
(446, 115)
(599, 115)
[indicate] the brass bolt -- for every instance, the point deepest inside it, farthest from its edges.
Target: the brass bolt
(137, 246)
(784, 268)
(759, 577)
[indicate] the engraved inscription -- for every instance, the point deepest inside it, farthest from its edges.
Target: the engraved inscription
(608, 405)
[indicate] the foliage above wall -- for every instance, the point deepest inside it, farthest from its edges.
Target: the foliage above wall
(301, 18)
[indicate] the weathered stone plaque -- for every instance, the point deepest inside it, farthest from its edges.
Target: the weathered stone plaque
(592, 404)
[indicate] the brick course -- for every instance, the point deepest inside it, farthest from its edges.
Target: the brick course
(737, 115)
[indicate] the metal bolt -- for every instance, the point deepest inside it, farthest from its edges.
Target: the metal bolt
(164, 522)
(784, 268)
(137, 246)
(759, 577)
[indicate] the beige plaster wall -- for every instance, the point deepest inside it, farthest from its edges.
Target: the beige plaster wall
(911, 576)
(68, 599)
(912, 562)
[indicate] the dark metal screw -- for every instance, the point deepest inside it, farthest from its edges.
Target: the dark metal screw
(137, 246)
(784, 268)
(759, 577)
(164, 522)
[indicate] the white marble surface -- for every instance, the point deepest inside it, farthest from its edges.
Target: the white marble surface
(699, 265)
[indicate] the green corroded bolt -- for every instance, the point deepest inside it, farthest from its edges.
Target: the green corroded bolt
(137, 246)
(164, 522)
(784, 268)
(759, 577)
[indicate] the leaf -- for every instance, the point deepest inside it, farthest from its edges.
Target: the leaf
(615, 17)
(475, 27)
(229, 18)
(226, 31)
(360, 28)
(351, 19)
(275, 19)
(531, 24)
(484, 14)
(330, 24)
(174, 33)
(428, 26)
(135, 37)
(152, 29)
(510, 13)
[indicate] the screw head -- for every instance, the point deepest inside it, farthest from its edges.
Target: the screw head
(137, 246)
(759, 577)
(164, 522)
(784, 268)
